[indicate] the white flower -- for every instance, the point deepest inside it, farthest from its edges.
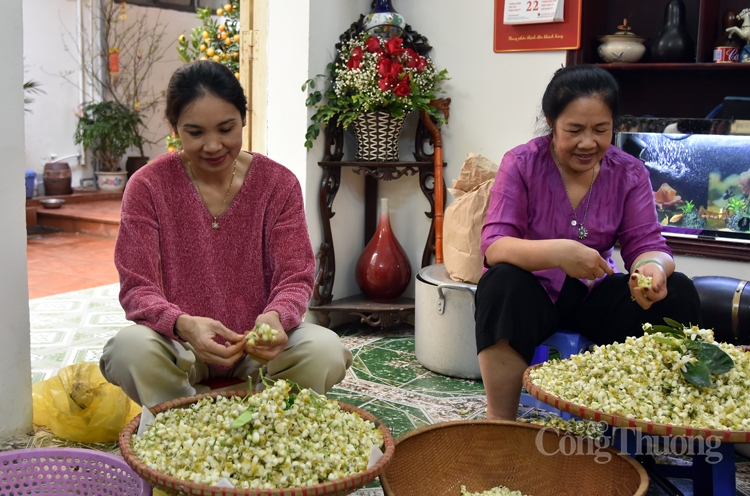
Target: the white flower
(641, 379)
(283, 445)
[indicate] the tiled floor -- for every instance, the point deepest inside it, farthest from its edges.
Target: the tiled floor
(64, 262)
(79, 311)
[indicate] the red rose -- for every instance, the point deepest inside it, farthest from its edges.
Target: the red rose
(411, 58)
(372, 44)
(353, 63)
(403, 88)
(384, 67)
(393, 46)
(387, 83)
(356, 59)
(396, 69)
(421, 64)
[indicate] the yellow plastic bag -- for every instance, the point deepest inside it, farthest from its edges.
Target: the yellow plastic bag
(80, 405)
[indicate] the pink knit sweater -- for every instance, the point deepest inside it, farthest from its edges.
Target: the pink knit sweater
(172, 262)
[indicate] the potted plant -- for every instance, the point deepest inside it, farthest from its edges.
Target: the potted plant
(107, 129)
(374, 84)
(117, 59)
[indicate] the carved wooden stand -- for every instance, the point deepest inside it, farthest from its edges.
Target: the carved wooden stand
(374, 314)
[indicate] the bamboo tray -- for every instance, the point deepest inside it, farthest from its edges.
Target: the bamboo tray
(726, 436)
(173, 485)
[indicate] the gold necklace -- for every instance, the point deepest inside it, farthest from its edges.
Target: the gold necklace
(582, 231)
(215, 223)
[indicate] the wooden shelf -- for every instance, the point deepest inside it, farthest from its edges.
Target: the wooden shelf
(383, 314)
(710, 247)
(375, 314)
(688, 90)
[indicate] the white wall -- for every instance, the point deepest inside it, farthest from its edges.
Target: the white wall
(328, 20)
(495, 101)
(52, 121)
(50, 27)
(15, 353)
(288, 54)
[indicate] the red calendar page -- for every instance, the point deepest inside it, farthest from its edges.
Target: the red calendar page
(565, 35)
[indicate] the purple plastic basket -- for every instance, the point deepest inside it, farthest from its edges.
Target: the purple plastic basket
(68, 471)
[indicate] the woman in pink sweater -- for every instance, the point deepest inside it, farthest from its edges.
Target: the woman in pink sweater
(213, 240)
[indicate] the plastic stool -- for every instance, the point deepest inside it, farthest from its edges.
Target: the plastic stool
(567, 343)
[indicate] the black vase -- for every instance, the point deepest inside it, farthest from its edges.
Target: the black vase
(673, 44)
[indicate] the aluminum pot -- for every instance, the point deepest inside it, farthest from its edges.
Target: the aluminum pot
(444, 339)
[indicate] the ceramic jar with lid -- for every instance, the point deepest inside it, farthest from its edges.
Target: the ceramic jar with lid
(623, 46)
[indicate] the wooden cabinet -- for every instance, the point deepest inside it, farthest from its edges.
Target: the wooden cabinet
(372, 313)
(665, 89)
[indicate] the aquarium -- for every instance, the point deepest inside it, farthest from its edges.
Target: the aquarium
(701, 182)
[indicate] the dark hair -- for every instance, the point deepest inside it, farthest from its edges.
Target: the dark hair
(194, 80)
(579, 81)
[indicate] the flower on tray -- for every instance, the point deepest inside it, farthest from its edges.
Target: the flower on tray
(373, 74)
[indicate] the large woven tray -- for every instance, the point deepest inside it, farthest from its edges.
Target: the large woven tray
(436, 460)
(173, 485)
(654, 428)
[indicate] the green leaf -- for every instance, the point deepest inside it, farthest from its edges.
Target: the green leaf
(290, 401)
(714, 358)
(674, 324)
(697, 374)
(243, 419)
(669, 342)
(667, 330)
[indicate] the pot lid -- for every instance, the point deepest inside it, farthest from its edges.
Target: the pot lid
(436, 274)
(623, 31)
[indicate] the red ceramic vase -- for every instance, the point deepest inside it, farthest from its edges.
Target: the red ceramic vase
(383, 271)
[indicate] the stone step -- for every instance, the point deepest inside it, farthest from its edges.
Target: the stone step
(88, 213)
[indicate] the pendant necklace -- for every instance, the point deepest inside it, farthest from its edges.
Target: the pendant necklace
(215, 223)
(582, 231)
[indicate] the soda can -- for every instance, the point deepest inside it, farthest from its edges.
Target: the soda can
(726, 54)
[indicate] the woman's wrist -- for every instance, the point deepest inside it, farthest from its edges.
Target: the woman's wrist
(645, 261)
(180, 323)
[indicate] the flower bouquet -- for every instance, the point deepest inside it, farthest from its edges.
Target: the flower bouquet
(373, 75)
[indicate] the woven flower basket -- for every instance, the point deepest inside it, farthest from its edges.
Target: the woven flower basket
(725, 436)
(377, 135)
(174, 486)
(481, 454)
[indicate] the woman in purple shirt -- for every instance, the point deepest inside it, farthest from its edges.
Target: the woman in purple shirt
(559, 204)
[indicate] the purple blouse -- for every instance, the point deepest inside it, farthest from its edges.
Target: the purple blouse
(529, 201)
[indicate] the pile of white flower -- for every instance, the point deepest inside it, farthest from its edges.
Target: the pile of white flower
(495, 491)
(643, 378)
(272, 439)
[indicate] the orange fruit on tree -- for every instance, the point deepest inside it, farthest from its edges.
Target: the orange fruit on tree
(171, 148)
(228, 7)
(237, 38)
(223, 36)
(219, 12)
(237, 75)
(203, 57)
(222, 27)
(228, 41)
(202, 47)
(181, 38)
(206, 35)
(210, 51)
(216, 58)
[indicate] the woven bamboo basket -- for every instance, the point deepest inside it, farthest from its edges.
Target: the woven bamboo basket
(377, 135)
(481, 454)
(173, 486)
(726, 436)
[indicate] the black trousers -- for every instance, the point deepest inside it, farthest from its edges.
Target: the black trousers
(512, 304)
